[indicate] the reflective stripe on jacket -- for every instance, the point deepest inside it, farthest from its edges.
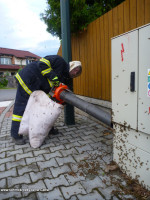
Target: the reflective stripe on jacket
(16, 118)
(24, 86)
(48, 70)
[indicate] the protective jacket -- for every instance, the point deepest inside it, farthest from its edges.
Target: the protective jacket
(38, 75)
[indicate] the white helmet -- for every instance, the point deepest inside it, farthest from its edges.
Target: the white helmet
(75, 69)
(74, 64)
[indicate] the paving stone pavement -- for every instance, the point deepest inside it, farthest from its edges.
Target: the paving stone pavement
(70, 165)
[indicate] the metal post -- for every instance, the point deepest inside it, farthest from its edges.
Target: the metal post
(66, 54)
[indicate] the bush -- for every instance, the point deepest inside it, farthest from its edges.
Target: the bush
(3, 82)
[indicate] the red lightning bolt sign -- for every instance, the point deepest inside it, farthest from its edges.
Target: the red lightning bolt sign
(122, 51)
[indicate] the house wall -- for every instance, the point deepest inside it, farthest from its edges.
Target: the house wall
(18, 61)
(13, 60)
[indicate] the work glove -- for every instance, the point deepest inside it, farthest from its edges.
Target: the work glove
(55, 81)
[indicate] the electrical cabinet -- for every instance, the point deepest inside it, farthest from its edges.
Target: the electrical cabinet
(131, 102)
(144, 80)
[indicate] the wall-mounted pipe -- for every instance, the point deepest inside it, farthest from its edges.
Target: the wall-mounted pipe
(89, 108)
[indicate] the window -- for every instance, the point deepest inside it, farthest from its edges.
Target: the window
(28, 61)
(5, 61)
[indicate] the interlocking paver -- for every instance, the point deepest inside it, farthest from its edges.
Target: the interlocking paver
(20, 162)
(53, 149)
(2, 155)
(47, 164)
(73, 190)
(2, 146)
(50, 144)
(74, 167)
(31, 196)
(34, 159)
(84, 148)
(29, 168)
(30, 188)
(18, 180)
(9, 195)
(80, 157)
(51, 195)
(2, 167)
(108, 158)
(88, 137)
(2, 183)
(52, 155)
(11, 172)
(73, 198)
(52, 183)
(83, 142)
(59, 170)
(74, 144)
(73, 177)
(65, 160)
(10, 153)
(75, 139)
(107, 192)
(35, 176)
(25, 155)
(41, 151)
(89, 185)
(25, 146)
(7, 149)
(91, 196)
(70, 165)
(68, 152)
(65, 137)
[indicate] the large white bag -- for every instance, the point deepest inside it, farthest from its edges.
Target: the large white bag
(39, 116)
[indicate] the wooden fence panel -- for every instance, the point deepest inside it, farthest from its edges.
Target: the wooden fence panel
(93, 46)
(120, 18)
(106, 62)
(110, 21)
(133, 14)
(147, 11)
(115, 21)
(98, 61)
(140, 11)
(126, 16)
(102, 46)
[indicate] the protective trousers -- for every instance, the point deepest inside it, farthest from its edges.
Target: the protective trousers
(19, 108)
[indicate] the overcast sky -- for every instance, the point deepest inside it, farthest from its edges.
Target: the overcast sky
(21, 27)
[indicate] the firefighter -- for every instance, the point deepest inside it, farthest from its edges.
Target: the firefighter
(39, 75)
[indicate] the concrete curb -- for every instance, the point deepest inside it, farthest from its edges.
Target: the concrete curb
(5, 111)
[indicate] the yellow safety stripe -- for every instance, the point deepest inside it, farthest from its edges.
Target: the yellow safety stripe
(55, 78)
(50, 83)
(16, 118)
(23, 84)
(46, 71)
(45, 61)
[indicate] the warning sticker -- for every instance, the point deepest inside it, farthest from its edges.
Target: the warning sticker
(148, 84)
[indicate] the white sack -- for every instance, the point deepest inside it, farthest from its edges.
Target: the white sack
(39, 116)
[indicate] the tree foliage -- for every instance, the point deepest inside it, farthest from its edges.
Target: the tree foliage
(82, 12)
